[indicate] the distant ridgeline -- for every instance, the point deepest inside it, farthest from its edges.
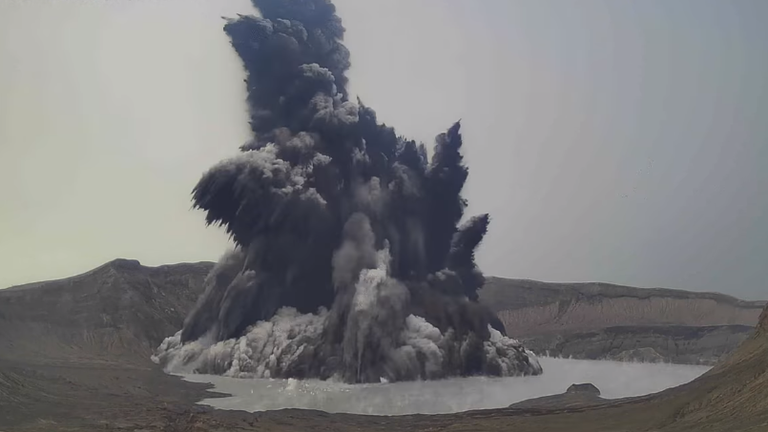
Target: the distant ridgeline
(606, 321)
(130, 308)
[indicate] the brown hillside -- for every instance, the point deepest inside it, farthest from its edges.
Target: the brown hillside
(120, 309)
(531, 308)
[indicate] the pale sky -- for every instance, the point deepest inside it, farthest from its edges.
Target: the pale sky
(613, 140)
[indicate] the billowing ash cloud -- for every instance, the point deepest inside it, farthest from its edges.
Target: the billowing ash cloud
(349, 263)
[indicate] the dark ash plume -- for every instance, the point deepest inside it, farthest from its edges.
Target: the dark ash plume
(348, 261)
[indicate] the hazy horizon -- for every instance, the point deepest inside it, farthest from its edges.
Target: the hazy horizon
(628, 136)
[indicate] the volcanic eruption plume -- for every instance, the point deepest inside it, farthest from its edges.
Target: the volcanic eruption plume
(350, 262)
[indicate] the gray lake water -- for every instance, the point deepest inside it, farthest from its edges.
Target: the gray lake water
(614, 379)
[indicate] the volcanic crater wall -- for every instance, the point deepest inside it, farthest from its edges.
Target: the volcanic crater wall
(614, 322)
(532, 308)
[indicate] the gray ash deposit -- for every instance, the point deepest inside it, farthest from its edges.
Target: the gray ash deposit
(351, 260)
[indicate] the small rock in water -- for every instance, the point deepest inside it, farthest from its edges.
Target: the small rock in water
(584, 388)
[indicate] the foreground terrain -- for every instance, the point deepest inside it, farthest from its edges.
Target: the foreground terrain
(74, 356)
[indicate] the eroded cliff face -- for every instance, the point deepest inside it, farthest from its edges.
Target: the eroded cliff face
(597, 313)
(613, 322)
(668, 344)
(531, 308)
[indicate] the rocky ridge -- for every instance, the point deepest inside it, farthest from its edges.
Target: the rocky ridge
(606, 321)
(580, 320)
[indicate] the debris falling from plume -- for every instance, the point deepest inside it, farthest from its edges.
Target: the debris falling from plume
(349, 261)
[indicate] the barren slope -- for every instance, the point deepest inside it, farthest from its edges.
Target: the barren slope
(118, 310)
(74, 357)
(671, 344)
(531, 308)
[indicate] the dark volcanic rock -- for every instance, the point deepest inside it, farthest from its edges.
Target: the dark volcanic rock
(587, 388)
(576, 396)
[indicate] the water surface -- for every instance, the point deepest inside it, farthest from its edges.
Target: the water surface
(614, 379)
